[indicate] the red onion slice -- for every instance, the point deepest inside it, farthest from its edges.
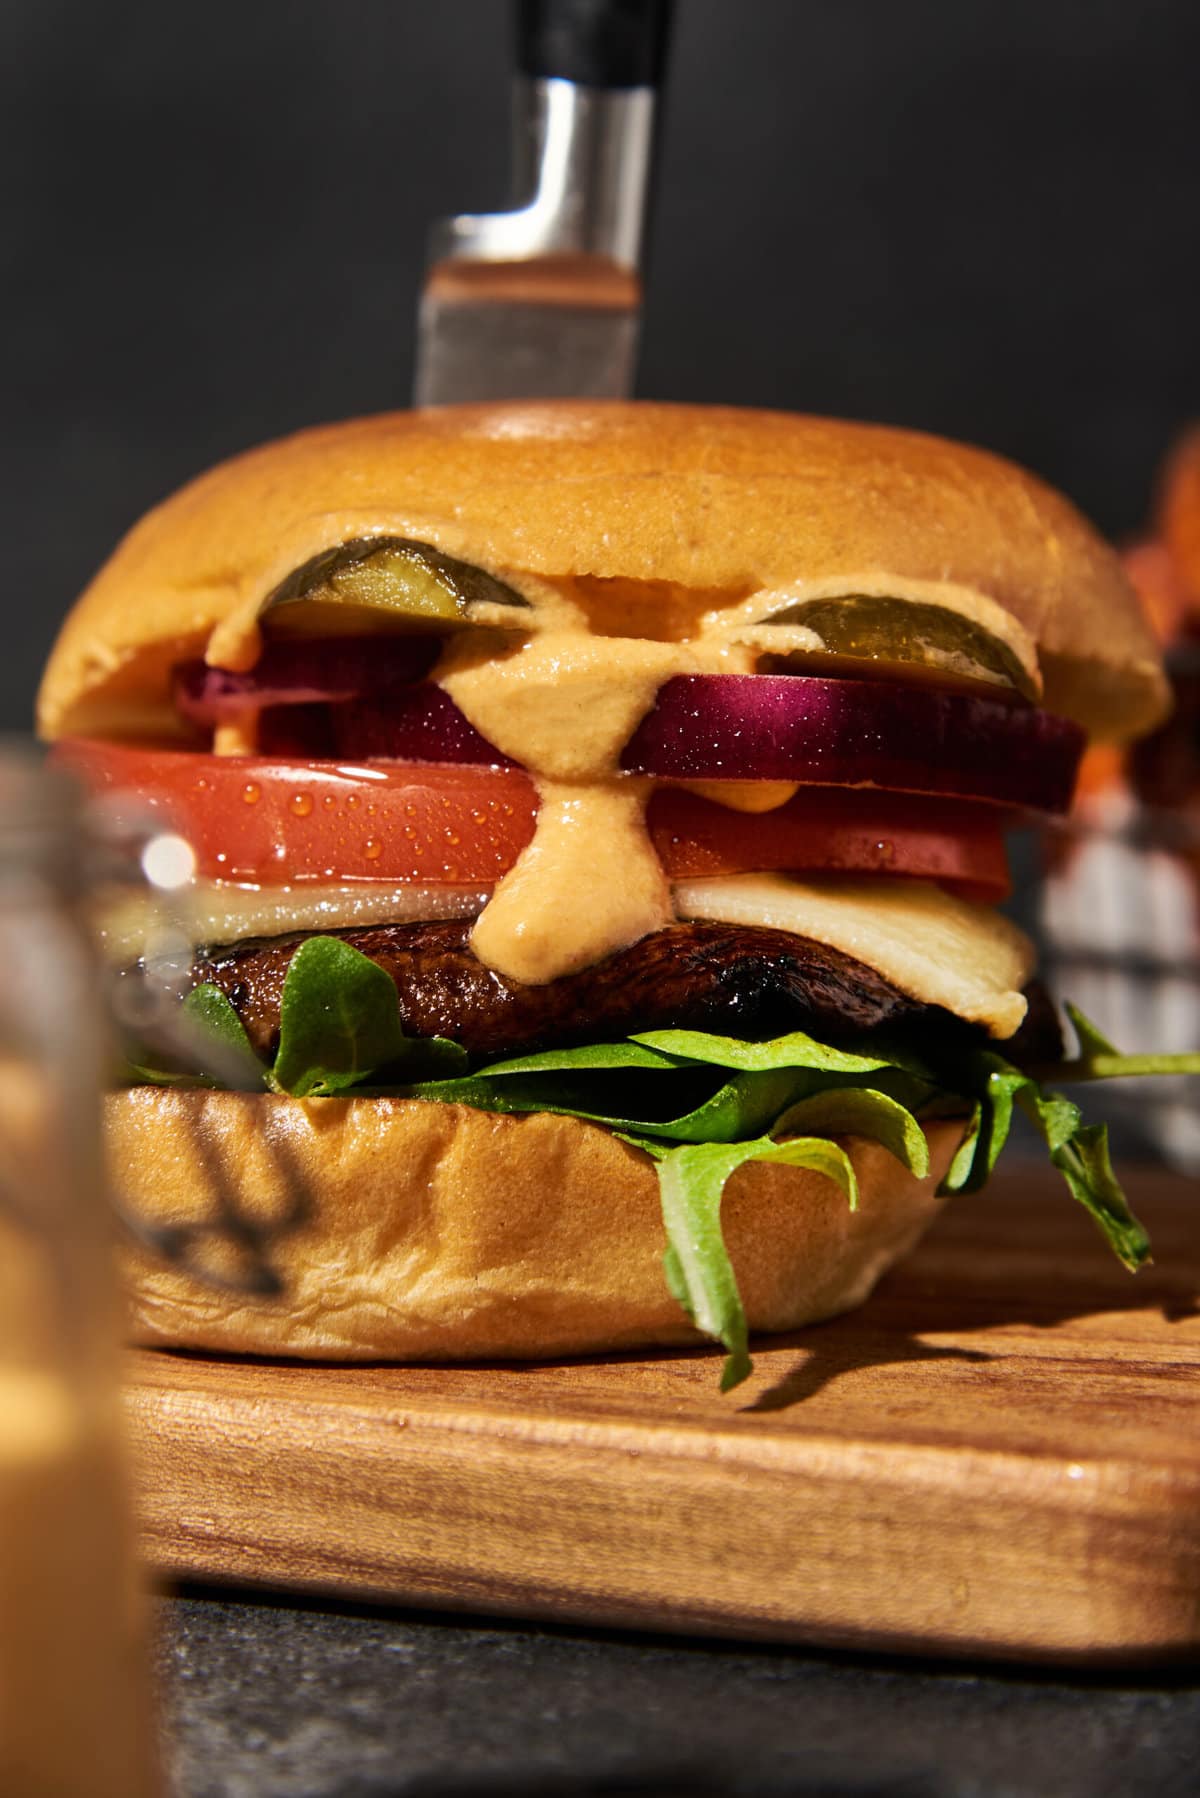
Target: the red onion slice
(301, 673)
(857, 733)
(418, 723)
(739, 727)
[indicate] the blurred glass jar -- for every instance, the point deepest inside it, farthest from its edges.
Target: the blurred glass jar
(74, 1702)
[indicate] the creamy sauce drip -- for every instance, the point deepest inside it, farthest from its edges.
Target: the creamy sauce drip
(744, 795)
(562, 699)
(237, 736)
(237, 641)
(564, 702)
(588, 884)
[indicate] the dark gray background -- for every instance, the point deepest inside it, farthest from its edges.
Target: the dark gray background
(979, 219)
(272, 1700)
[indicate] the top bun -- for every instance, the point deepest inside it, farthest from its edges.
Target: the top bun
(712, 498)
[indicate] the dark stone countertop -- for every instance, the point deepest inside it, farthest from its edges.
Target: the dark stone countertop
(271, 1699)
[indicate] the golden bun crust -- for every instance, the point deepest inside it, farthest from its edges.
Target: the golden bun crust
(716, 499)
(437, 1232)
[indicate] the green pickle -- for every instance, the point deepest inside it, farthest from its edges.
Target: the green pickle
(380, 583)
(861, 628)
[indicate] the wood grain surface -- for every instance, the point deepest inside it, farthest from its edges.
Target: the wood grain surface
(998, 1455)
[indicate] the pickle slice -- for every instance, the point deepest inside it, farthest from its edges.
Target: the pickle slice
(861, 629)
(381, 584)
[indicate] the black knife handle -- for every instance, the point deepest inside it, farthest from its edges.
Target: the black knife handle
(597, 43)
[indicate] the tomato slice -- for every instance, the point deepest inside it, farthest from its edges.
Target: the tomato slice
(834, 830)
(268, 822)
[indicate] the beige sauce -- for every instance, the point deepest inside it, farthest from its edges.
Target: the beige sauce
(237, 642)
(237, 736)
(745, 795)
(589, 883)
(563, 700)
(564, 703)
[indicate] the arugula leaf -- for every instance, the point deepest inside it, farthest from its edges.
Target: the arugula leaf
(600, 1056)
(1057, 1118)
(211, 1036)
(1125, 1067)
(744, 1107)
(698, 1104)
(131, 1072)
(223, 1049)
(339, 1020)
(1098, 1059)
(1088, 1037)
(741, 1107)
(793, 1051)
(1086, 1166)
(777, 1074)
(995, 1085)
(962, 1165)
(649, 1146)
(691, 1181)
(676, 1280)
(1079, 1151)
(859, 1111)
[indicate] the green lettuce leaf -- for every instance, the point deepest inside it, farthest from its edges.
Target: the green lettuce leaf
(1086, 1166)
(698, 1104)
(691, 1181)
(1097, 1059)
(339, 1019)
(599, 1057)
(793, 1051)
(1089, 1038)
(859, 1111)
(996, 1087)
(741, 1107)
(962, 1164)
(1078, 1151)
(340, 1024)
(215, 1026)
(213, 1040)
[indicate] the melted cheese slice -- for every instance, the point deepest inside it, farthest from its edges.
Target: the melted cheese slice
(218, 911)
(938, 949)
(935, 948)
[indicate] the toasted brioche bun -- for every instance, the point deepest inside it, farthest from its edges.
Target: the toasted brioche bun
(436, 1232)
(716, 500)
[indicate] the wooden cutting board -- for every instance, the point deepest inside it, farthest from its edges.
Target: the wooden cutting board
(999, 1455)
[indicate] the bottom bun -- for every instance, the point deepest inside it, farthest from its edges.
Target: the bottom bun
(405, 1230)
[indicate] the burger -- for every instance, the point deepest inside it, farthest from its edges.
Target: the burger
(596, 816)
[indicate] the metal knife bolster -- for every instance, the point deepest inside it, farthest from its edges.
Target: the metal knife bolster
(581, 163)
(545, 300)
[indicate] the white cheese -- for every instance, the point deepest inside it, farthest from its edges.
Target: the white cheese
(217, 911)
(936, 948)
(932, 946)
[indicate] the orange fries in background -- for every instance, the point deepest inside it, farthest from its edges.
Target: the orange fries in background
(1164, 566)
(1179, 515)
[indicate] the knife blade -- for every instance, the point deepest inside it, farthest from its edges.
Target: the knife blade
(545, 300)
